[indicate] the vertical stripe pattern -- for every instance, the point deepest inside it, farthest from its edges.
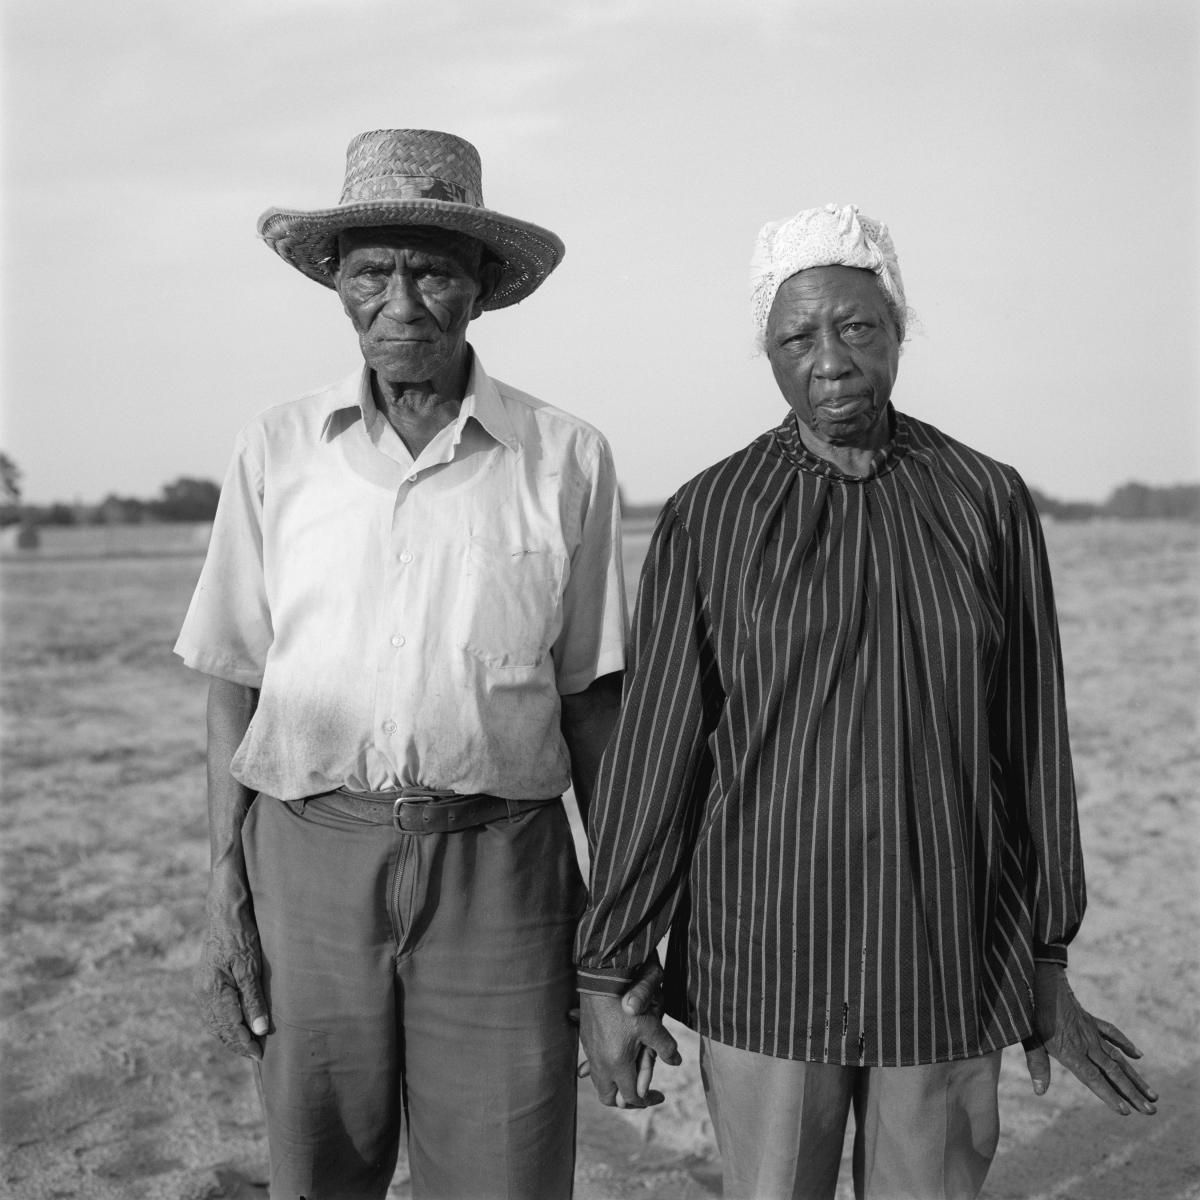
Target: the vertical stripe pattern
(841, 777)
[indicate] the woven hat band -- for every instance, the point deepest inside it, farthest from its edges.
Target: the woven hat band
(412, 164)
(409, 187)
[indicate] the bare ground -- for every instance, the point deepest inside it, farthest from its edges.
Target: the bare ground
(111, 1090)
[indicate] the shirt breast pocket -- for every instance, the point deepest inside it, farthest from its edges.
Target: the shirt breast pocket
(508, 606)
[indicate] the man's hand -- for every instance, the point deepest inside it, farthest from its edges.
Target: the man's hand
(1091, 1049)
(621, 1049)
(228, 981)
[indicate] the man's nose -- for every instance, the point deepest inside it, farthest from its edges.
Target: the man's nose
(832, 359)
(404, 302)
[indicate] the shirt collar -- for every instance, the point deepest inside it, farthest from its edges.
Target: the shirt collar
(787, 438)
(351, 400)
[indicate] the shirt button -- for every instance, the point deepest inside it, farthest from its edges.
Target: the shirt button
(406, 557)
(397, 640)
(389, 726)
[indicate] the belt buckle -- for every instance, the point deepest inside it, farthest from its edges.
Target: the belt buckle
(413, 800)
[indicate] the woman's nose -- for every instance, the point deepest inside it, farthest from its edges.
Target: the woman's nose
(832, 360)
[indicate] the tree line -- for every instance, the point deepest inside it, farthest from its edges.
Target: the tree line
(184, 499)
(1129, 502)
(188, 499)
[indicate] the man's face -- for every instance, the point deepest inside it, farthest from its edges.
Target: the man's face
(410, 292)
(833, 348)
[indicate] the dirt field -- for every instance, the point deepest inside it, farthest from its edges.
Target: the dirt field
(111, 1090)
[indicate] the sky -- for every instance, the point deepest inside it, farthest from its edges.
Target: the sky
(1035, 160)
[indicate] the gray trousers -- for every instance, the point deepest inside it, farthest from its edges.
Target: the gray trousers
(921, 1133)
(423, 978)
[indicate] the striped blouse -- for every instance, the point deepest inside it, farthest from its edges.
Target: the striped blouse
(841, 777)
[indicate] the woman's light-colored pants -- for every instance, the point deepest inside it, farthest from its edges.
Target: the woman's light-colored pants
(424, 977)
(921, 1133)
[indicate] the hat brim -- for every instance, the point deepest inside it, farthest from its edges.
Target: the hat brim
(308, 240)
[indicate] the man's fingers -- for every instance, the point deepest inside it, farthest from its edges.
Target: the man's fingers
(254, 1005)
(1038, 1062)
(223, 1012)
(627, 1090)
(229, 988)
(619, 1090)
(645, 1070)
(584, 1070)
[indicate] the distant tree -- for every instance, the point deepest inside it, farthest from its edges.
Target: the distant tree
(58, 514)
(10, 490)
(1063, 510)
(1139, 501)
(1129, 502)
(10, 480)
(187, 500)
(50, 514)
(119, 510)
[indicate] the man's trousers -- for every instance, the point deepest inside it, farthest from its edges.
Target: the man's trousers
(418, 976)
(920, 1133)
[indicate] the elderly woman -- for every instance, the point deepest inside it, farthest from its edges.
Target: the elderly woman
(841, 778)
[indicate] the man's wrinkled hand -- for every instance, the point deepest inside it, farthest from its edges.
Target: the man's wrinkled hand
(1091, 1049)
(228, 984)
(621, 1049)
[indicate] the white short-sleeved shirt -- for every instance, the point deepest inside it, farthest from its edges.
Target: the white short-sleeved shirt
(411, 623)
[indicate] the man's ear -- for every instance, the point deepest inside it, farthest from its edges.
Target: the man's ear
(490, 274)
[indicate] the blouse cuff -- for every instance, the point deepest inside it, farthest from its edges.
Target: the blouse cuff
(1055, 953)
(604, 983)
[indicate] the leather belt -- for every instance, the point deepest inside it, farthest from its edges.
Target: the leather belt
(428, 810)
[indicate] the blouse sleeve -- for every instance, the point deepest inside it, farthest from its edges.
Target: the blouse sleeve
(654, 775)
(1029, 721)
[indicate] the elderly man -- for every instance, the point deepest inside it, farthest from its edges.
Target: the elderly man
(412, 614)
(841, 777)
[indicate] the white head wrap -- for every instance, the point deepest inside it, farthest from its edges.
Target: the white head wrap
(821, 237)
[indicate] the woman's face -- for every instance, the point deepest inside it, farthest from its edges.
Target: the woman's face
(833, 347)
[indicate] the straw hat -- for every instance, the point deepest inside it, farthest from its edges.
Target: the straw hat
(414, 177)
